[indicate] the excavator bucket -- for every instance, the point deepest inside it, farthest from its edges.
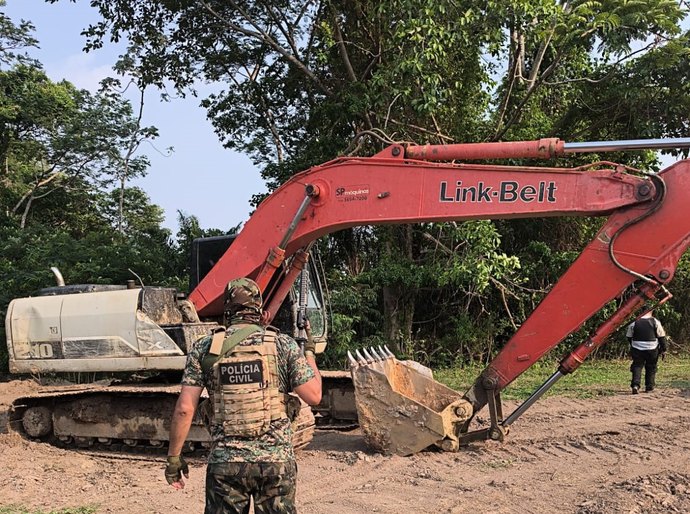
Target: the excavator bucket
(401, 408)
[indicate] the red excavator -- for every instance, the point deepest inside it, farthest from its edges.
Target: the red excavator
(399, 405)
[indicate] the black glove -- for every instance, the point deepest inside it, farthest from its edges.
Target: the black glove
(175, 468)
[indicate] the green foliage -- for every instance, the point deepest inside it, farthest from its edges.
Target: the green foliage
(15, 38)
(464, 338)
(355, 318)
(305, 82)
(475, 259)
(140, 216)
(56, 140)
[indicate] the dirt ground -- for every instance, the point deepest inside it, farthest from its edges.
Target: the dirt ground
(616, 454)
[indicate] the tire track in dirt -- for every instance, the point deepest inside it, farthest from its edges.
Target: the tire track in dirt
(619, 453)
(567, 452)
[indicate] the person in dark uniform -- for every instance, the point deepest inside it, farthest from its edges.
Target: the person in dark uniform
(647, 342)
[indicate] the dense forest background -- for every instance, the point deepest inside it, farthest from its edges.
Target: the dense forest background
(306, 81)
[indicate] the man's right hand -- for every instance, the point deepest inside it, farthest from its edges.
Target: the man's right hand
(175, 469)
(309, 344)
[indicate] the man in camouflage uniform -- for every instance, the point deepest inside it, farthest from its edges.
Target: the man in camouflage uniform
(241, 468)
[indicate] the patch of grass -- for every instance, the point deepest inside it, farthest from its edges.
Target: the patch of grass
(593, 378)
(18, 509)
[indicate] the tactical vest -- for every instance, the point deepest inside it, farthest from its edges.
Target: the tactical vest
(245, 383)
(644, 330)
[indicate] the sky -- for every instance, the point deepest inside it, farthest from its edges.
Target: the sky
(200, 177)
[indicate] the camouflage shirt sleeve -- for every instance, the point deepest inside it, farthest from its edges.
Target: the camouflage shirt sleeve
(193, 374)
(297, 368)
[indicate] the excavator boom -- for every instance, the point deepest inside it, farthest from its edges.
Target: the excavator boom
(391, 188)
(645, 235)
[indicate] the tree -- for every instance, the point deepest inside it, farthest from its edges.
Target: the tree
(55, 139)
(130, 134)
(66, 156)
(14, 38)
(320, 72)
(307, 81)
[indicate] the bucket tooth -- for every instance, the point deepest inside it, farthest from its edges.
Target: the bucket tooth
(362, 360)
(390, 354)
(378, 354)
(353, 362)
(370, 358)
(378, 362)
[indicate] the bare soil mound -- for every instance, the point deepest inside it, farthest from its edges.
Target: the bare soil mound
(622, 453)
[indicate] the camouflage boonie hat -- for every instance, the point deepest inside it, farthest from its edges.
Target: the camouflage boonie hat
(241, 294)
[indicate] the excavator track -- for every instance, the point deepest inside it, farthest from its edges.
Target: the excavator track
(117, 418)
(119, 450)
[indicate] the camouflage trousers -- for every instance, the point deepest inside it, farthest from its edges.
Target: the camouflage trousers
(231, 485)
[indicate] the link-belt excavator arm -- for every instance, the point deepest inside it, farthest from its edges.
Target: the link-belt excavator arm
(647, 231)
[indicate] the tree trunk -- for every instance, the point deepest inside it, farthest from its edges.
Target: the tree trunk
(398, 299)
(398, 309)
(25, 214)
(121, 206)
